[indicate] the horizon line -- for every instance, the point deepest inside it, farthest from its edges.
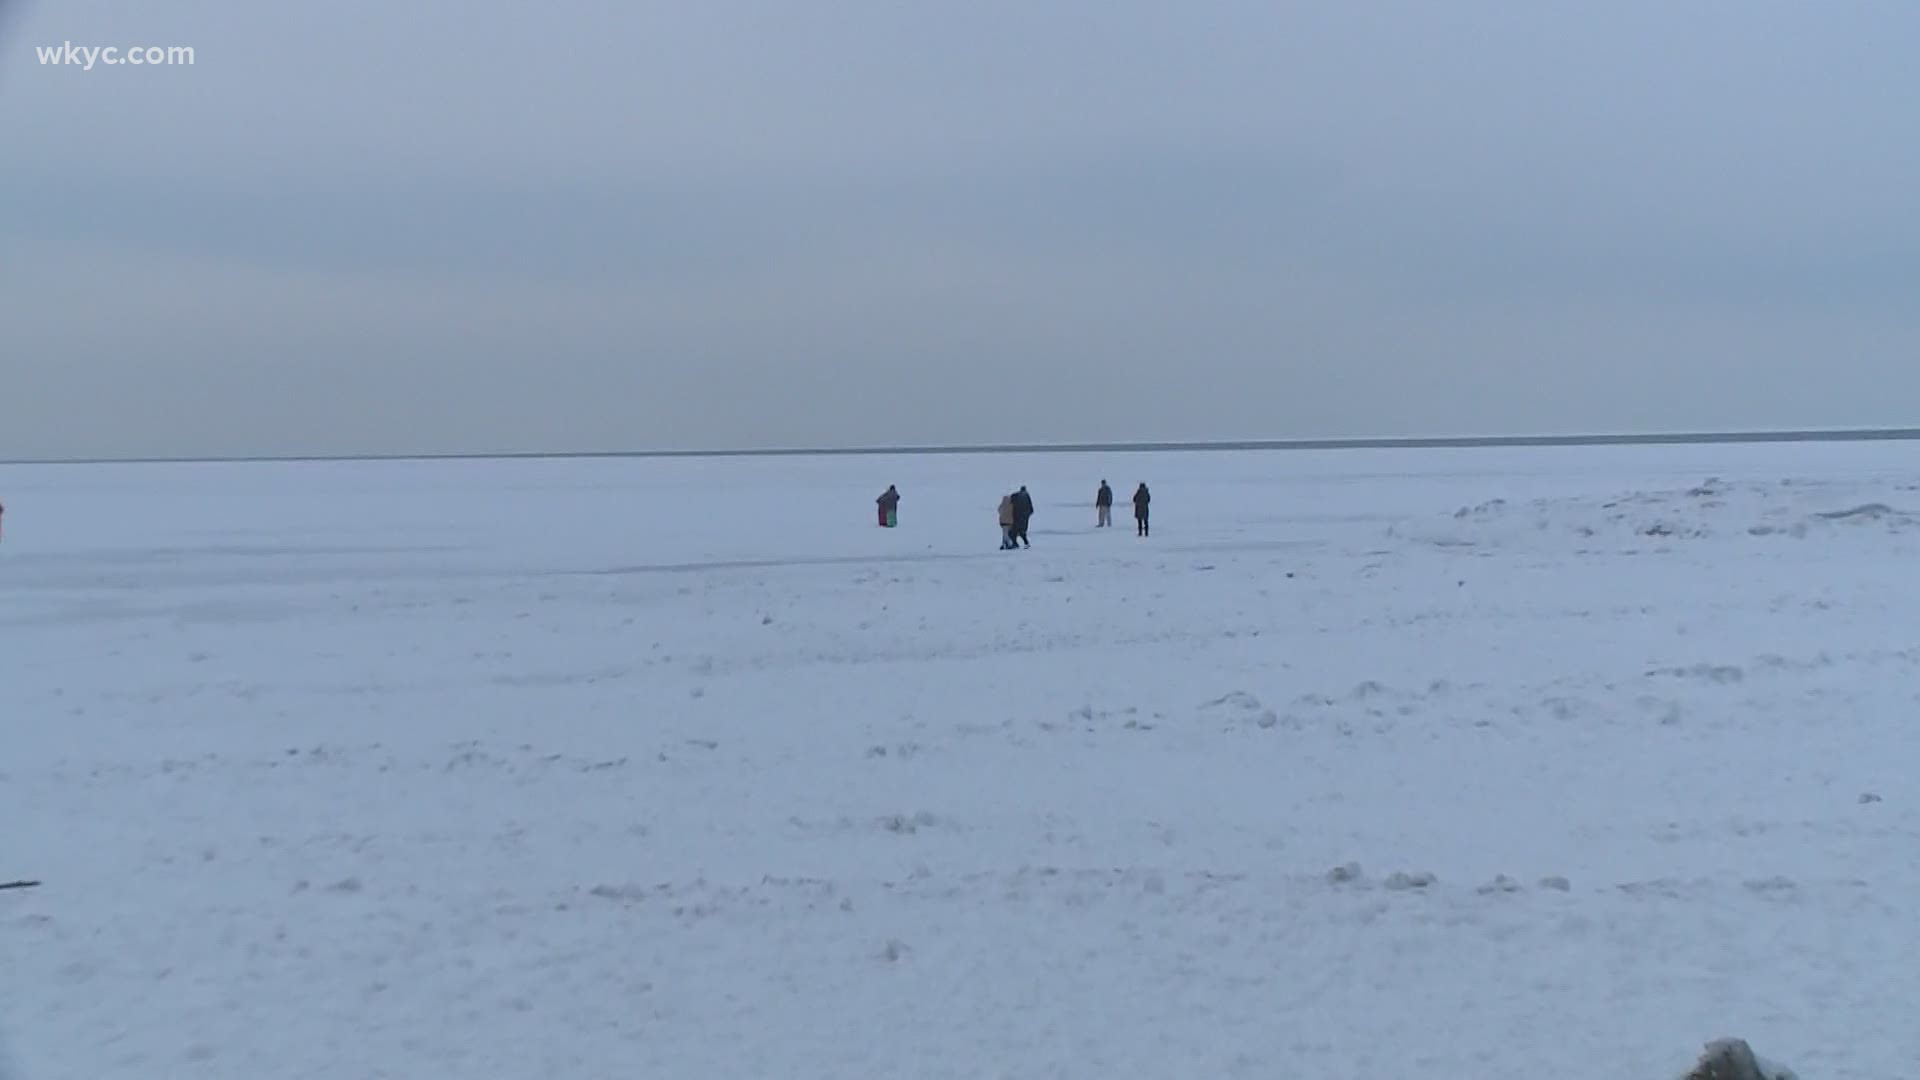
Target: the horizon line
(1436, 442)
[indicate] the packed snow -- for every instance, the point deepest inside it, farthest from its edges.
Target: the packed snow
(1449, 763)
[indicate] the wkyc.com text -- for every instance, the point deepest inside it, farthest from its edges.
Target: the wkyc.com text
(85, 57)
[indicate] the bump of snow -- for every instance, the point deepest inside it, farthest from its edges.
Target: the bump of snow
(1866, 511)
(907, 826)
(1238, 699)
(1733, 1059)
(624, 894)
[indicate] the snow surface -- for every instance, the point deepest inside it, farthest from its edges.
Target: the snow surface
(1368, 763)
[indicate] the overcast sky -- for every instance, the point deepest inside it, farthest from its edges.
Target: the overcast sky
(392, 225)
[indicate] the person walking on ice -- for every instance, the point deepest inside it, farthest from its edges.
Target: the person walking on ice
(1006, 523)
(1022, 514)
(1140, 500)
(1103, 505)
(889, 501)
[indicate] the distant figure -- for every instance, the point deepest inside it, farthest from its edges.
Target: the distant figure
(1140, 500)
(1103, 502)
(1022, 514)
(3, 511)
(1006, 523)
(889, 507)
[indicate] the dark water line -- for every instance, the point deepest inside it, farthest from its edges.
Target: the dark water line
(1697, 438)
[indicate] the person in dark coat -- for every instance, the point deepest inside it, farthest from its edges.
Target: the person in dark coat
(1022, 514)
(889, 502)
(1140, 500)
(1103, 504)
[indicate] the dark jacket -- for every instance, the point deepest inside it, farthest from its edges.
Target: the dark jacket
(1140, 501)
(1022, 506)
(889, 499)
(1105, 498)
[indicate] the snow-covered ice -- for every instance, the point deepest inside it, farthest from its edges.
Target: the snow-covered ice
(1385, 763)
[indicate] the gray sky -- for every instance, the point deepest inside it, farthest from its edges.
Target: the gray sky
(381, 225)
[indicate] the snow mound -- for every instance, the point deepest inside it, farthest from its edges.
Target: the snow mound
(1248, 706)
(908, 824)
(1398, 881)
(1657, 519)
(1635, 518)
(1346, 874)
(1865, 512)
(1402, 881)
(1733, 1059)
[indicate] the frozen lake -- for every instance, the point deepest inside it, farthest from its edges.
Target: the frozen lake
(682, 768)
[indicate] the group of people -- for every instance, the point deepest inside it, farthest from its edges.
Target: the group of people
(1103, 506)
(1016, 511)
